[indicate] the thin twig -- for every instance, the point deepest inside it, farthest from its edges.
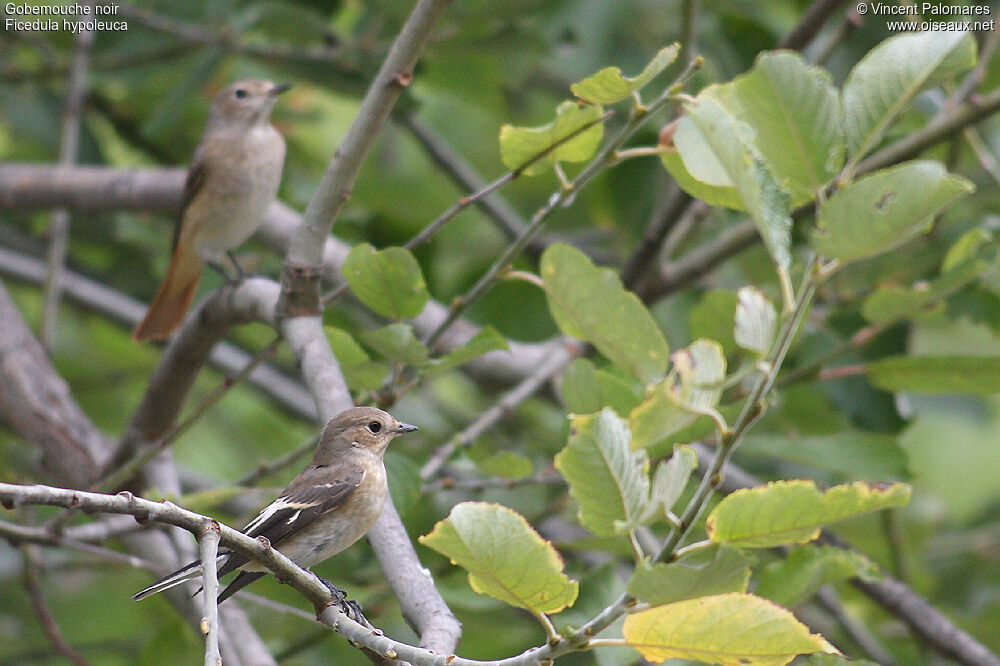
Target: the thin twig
(208, 541)
(559, 359)
(235, 43)
(464, 175)
(266, 469)
(485, 191)
(130, 467)
(20, 534)
(32, 581)
(564, 196)
(69, 142)
(828, 599)
(488, 189)
(810, 24)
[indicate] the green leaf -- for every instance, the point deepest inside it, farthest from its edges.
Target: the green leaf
(723, 196)
(714, 630)
(590, 303)
(703, 573)
(756, 321)
(504, 557)
(586, 390)
(669, 482)
(699, 371)
(968, 258)
(609, 85)
(388, 281)
(519, 145)
(693, 387)
(978, 375)
(790, 512)
(606, 477)
(886, 80)
(794, 111)
(486, 340)
(881, 211)
(396, 343)
(361, 373)
(730, 141)
(794, 579)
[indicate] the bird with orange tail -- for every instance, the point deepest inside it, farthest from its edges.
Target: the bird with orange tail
(231, 182)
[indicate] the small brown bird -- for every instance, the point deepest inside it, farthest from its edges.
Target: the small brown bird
(325, 509)
(232, 181)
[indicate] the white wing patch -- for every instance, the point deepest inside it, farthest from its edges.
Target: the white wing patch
(269, 510)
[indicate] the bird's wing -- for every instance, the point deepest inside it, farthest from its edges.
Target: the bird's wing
(192, 185)
(309, 497)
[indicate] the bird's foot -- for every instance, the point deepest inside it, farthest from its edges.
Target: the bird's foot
(350, 607)
(240, 273)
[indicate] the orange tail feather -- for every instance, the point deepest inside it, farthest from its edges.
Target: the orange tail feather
(173, 297)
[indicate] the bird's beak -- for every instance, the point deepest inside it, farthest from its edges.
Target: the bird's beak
(406, 427)
(280, 88)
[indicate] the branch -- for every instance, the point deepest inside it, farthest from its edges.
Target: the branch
(301, 580)
(36, 402)
(184, 357)
(334, 188)
(893, 595)
(945, 125)
(810, 24)
(193, 33)
(92, 295)
(69, 141)
(19, 534)
(208, 540)
(557, 362)
(32, 581)
(105, 189)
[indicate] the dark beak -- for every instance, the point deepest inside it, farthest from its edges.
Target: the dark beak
(406, 427)
(280, 88)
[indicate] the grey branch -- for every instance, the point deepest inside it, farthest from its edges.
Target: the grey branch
(335, 186)
(104, 189)
(208, 541)
(37, 403)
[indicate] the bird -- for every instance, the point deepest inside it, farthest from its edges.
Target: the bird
(331, 504)
(233, 178)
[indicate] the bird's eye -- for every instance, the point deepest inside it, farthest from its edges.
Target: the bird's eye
(374, 427)
(240, 93)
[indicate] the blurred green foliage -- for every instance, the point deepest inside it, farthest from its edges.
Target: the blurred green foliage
(490, 64)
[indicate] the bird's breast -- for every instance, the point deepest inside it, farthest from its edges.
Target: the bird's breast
(341, 527)
(241, 179)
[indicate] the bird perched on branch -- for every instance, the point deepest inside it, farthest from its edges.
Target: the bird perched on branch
(331, 504)
(231, 182)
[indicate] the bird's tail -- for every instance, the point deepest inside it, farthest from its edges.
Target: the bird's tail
(174, 295)
(183, 574)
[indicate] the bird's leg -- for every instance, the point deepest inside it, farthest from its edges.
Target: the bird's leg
(351, 608)
(240, 273)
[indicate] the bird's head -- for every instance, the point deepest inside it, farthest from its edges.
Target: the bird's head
(359, 428)
(246, 103)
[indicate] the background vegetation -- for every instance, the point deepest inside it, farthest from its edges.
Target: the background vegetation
(490, 429)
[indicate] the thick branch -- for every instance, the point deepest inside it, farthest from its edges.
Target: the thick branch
(101, 189)
(37, 403)
(335, 187)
